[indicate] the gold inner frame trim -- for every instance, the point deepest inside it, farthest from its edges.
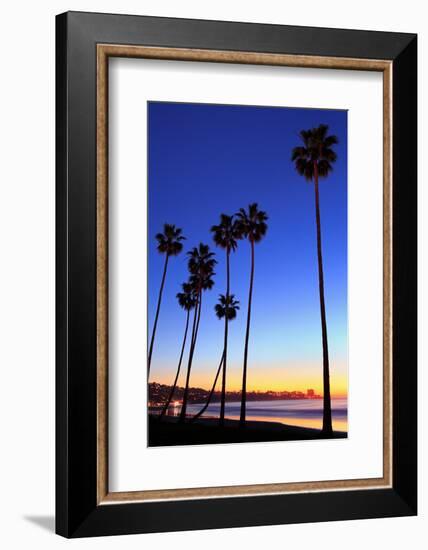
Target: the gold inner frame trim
(104, 51)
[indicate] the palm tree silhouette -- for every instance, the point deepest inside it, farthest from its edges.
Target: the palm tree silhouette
(251, 225)
(187, 301)
(205, 407)
(225, 236)
(314, 160)
(169, 243)
(226, 306)
(226, 309)
(201, 267)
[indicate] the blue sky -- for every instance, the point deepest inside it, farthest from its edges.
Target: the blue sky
(208, 159)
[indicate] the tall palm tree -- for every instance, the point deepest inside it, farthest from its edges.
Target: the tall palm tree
(251, 225)
(225, 236)
(170, 244)
(201, 267)
(208, 401)
(187, 301)
(226, 309)
(314, 160)
(226, 306)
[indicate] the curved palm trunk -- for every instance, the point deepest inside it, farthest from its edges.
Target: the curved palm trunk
(247, 335)
(195, 328)
(204, 408)
(149, 359)
(171, 393)
(326, 422)
(226, 329)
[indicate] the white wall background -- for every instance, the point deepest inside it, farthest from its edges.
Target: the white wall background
(27, 271)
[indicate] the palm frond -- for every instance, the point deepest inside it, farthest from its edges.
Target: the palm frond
(305, 136)
(299, 152)
(331, 140)
(317, 150)
(201, 265)
(251, 224)
(219, 311)
(324, 168)
(187, 298)
(227, 307)
(225, 234)
(170, 241)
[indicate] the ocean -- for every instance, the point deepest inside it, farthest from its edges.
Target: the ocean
(297, 412)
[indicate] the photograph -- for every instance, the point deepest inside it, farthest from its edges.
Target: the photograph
(247, 259)
(212, 276)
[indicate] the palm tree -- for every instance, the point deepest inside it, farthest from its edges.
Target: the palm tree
(226, 308)
(201, 267)
(169, 243)
(187, 301)
(205, 407)
(314, 160)
(225, 236)
(251, 225)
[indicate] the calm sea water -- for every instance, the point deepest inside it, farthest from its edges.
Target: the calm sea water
(297, 412)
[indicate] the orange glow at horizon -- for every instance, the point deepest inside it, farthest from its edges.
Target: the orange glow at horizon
(270, 378)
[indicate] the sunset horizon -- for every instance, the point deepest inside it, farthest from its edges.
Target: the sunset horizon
(339, 384)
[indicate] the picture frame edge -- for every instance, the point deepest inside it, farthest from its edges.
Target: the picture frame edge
(77, 511)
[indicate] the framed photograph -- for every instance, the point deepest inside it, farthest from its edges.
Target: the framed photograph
(236, 274)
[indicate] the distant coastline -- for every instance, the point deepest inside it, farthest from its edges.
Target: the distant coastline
(158, 394)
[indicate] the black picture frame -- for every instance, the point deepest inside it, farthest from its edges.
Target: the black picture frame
(77, 512)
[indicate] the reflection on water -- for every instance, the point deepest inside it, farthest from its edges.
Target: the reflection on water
(298, 412)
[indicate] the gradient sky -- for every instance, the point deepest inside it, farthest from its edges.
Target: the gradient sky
(208, 159)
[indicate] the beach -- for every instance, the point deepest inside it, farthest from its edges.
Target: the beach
(205, 431)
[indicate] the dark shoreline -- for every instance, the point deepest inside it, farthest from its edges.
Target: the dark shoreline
(205, 431)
